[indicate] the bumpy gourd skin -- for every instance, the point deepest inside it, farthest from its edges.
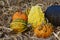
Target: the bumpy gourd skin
(36, 16)
(44, 31)
(18, 25)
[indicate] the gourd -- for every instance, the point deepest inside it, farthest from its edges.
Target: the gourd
(18, 25)
(53, 14)
(19, 15)
(19, 22)
(43, 31)
(36, 16)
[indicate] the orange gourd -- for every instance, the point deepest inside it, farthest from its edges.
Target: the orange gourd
(19, 15)
(43, 31)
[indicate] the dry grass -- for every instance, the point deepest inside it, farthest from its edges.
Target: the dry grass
(8, 7)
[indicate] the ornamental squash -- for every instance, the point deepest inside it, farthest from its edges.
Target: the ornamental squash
(53, 14)
(18, 25)
(43, 31)
(19, 15)
(36, 16)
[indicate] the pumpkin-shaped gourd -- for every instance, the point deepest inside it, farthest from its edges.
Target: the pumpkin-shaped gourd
(19, 15)
(36, 16)
(43, 31)
(53, 14)
(18, 25)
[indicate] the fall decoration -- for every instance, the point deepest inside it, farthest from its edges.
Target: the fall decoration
(53, 14)
(18, 25)
(36, 16)
(19, 15)
(43, 31)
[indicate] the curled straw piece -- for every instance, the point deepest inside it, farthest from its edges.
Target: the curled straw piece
(58, 32)
(56, 35)
(7, 30)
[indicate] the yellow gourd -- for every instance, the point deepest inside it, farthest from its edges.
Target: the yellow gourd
(36, 16)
